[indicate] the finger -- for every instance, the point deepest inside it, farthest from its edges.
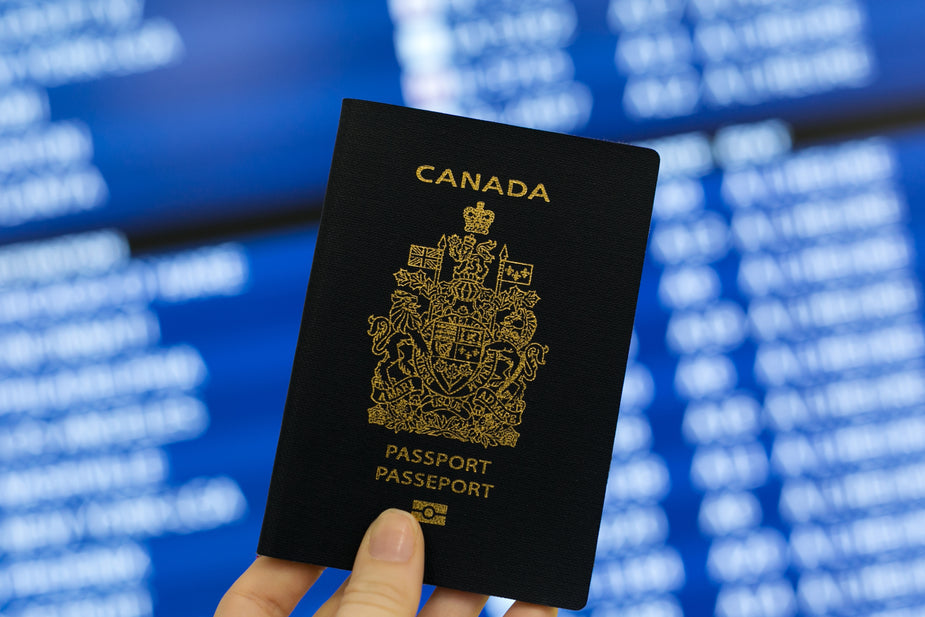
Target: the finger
(332, 604)
(268, 588)
(525, 609)
(453, 603)
(389, 567)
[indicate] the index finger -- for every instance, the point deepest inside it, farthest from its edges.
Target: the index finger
(268, 588)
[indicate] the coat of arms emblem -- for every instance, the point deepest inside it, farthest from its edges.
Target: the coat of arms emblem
(455, 355)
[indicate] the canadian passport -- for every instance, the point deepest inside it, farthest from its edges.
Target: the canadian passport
(462, 349)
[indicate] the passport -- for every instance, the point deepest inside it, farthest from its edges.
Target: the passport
(462, 349)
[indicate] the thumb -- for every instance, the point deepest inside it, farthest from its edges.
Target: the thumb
(387, 573)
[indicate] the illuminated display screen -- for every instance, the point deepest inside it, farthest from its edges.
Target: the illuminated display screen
(162, 167)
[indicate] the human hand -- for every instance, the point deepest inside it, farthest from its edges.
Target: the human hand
(385, 582)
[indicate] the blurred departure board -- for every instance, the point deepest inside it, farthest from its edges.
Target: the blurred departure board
(162, 167)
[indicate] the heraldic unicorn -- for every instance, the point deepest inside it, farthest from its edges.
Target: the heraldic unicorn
(454, 355)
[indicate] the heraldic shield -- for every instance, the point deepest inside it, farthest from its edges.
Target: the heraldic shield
(454, 355)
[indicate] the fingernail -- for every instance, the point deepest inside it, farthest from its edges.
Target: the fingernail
(392, 536)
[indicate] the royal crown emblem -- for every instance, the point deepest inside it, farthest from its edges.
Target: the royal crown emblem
(454, 355)
(478, 219)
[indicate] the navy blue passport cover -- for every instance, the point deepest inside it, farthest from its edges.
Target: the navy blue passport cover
(462, 349)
